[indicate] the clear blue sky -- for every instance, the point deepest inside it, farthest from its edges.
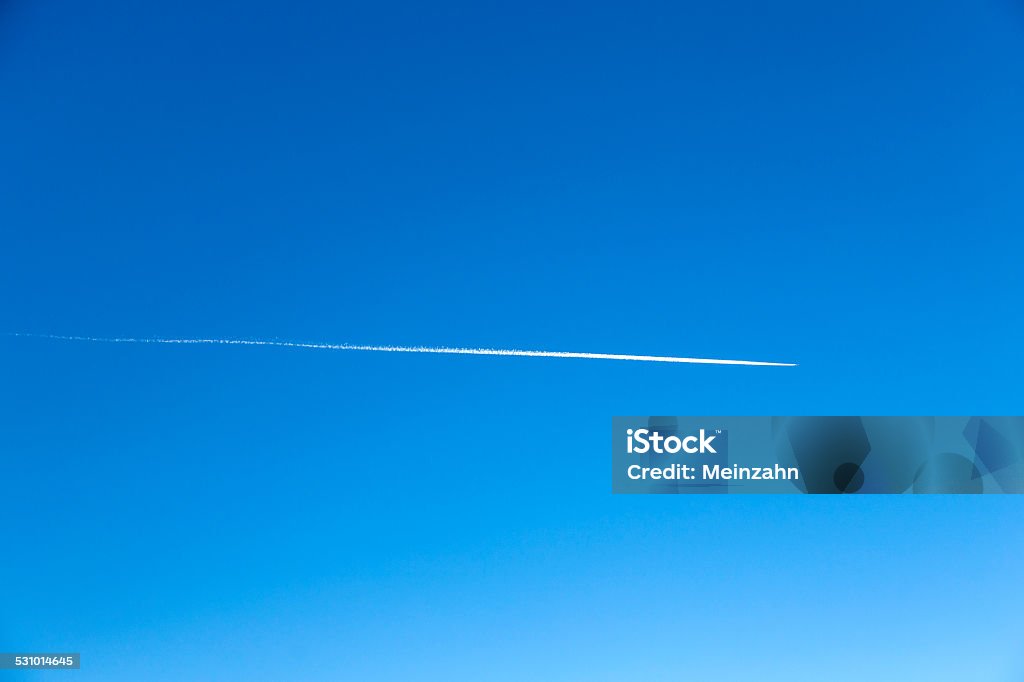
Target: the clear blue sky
(835, 184)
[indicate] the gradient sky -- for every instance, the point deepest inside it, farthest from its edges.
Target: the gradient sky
(834, 184)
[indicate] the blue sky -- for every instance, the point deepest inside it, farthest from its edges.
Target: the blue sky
(834, 184)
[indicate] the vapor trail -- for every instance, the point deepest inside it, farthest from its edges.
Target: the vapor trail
(418, 349)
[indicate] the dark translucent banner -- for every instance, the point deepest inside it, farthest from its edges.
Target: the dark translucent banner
(880, 455)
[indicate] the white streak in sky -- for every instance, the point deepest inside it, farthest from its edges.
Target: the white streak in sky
(418, 349)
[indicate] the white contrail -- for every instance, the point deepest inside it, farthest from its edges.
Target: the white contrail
(419, 349)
